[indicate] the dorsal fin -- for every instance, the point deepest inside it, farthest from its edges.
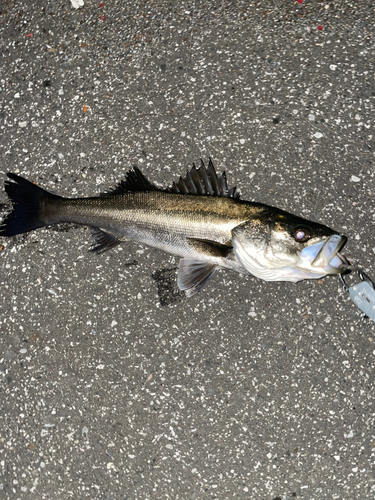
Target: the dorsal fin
(204, 181)
(134, 181)
(198, 181)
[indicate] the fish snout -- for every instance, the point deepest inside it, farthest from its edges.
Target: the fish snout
(329, 257)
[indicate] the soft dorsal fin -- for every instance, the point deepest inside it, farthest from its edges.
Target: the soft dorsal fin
(134, 181)
(204, 181)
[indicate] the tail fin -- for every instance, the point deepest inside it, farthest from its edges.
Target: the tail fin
(27, 199)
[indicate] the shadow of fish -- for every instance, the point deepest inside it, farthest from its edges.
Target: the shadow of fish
(198, 219)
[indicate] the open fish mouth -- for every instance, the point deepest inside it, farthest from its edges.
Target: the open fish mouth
(326, 255)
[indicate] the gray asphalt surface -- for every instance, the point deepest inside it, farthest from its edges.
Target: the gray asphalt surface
(114, 385)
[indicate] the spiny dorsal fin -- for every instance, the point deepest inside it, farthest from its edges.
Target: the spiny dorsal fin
(134, 181)
(204, 181)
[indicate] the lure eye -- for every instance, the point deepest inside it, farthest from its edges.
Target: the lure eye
(301, 235)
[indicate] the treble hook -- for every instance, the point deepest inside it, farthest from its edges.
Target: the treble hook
(362, 294)
(362, 276)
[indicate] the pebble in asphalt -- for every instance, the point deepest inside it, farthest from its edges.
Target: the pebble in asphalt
(113, 384)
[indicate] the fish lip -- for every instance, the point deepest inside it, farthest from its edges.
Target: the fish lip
(324, 259)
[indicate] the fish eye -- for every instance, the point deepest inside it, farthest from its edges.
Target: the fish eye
(301, 235)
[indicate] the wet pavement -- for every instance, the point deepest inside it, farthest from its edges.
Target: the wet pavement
(114, 385)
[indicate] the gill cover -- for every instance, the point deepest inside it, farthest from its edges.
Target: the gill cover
(251, 243)
(276, 256)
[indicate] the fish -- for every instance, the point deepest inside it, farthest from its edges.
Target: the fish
(198, 218)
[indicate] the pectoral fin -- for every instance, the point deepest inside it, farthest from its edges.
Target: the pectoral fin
(193, 275)
(210, 248)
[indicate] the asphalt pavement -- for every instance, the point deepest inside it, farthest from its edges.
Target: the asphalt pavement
(114, 384)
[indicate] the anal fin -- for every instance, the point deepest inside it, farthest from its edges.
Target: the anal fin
(193, 275)
(105, 241)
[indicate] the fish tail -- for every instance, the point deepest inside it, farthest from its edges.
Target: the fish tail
(28, 206)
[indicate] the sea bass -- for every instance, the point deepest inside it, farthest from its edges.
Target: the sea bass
(198, 219)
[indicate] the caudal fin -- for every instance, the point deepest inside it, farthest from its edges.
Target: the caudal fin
(27, 199)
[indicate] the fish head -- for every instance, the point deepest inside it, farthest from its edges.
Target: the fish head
(277, 246)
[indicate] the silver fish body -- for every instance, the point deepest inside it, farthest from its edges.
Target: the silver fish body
(198, 219)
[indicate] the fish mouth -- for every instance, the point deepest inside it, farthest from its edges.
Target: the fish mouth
(324, 257)
(328, 256)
